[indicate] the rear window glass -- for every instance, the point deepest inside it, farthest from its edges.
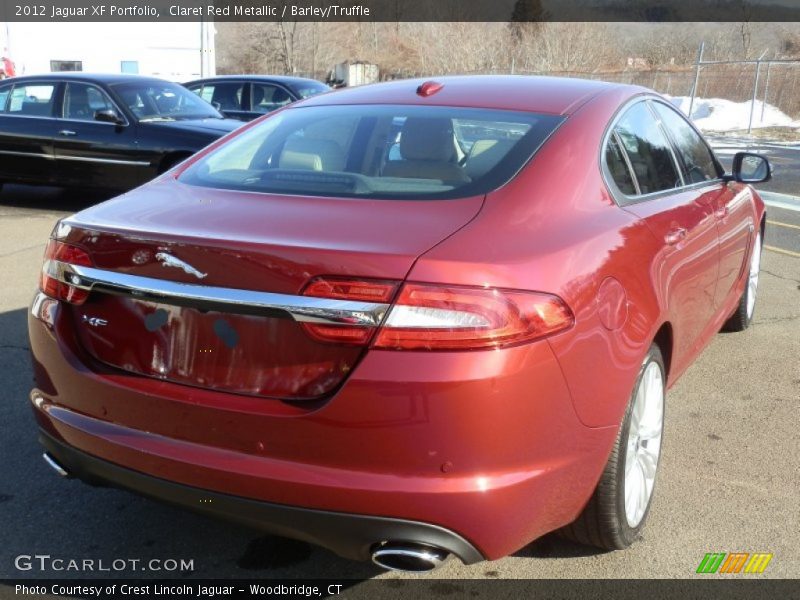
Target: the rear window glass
(306, 90)
(376, 151)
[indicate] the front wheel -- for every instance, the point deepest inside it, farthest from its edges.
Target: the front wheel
(741, 319)
(616, 512)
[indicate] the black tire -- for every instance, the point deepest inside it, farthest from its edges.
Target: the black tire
(603, 522)
(740, 319)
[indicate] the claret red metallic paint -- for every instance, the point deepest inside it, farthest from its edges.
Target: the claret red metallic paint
(477, 451)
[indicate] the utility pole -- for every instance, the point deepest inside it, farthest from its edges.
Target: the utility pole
(766, 91)
(208, 54)
(696, 76)
(755, 91)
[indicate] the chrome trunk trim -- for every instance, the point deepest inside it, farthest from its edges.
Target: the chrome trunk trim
(304, 309)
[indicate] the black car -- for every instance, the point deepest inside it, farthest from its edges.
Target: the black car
(246, 97)
(100, 131)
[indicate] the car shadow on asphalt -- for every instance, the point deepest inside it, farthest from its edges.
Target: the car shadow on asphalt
(554, 546)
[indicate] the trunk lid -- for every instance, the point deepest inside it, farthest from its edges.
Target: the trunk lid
(169, 231)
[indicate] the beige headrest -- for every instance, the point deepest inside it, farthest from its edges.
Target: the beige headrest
(427, 139)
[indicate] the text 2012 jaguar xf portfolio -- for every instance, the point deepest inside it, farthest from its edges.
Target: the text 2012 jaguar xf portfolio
(402, 321)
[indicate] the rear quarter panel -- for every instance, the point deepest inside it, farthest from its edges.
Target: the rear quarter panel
(555, 228)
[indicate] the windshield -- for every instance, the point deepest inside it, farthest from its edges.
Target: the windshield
(374, 151)
(164, 101)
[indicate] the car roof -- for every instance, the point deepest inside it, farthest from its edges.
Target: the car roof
(546, 95)
(103, 78)
(286, 79)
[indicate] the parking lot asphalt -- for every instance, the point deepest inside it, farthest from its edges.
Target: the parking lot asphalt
(728, 482)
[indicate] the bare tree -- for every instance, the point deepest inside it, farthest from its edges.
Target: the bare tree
(404, 49)
(286, 42)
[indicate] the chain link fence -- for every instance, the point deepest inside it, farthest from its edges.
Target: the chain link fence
(774, 82)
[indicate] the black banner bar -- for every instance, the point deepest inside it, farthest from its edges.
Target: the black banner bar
(704, 587)
(402, 10)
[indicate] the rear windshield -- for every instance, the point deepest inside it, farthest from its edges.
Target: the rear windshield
(306, 90)
(376, 151)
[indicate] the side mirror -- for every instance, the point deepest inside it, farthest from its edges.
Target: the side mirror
(108, 116)
(217, 105)
(750, 168)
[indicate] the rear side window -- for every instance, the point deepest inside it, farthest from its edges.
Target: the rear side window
(698, 162)
(268, 97)
(648, 150)
(227, 96)
(618, 167)
(408, 152)
(35, 100)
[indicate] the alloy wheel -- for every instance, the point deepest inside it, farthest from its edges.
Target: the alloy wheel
(752, 281)
(644, 443)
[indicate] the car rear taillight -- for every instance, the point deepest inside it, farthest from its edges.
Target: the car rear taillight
(59, 252)
(359, 290)
(433, 317)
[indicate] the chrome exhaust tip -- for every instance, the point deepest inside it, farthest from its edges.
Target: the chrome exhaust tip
(55, 465)
(415, 558)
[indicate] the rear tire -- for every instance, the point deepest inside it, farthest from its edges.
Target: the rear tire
(743, 316)
(616, 513)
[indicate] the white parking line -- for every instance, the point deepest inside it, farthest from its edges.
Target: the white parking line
(779, 200)
(782, 251)
(779, 224)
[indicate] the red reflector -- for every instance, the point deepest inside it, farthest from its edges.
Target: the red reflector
(429, 88)
(61, 252)
(342, 335)
(427, 317)
(352, 289)
(68, 254)
(360, 290)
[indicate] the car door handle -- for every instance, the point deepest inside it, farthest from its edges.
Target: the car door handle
(675, 236)
(721, 212)
(67, 132)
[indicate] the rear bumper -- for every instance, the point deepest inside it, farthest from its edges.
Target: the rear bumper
(348, 535)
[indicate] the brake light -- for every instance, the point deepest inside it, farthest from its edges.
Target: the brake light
(430, 317)
(363, 290)
(50, 285)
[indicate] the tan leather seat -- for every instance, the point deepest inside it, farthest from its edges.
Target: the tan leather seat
(427, 149)
(312, 155)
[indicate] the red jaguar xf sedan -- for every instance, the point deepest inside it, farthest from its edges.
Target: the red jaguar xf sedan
(402, 321)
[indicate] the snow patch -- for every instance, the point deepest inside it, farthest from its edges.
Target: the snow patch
(718, 114)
